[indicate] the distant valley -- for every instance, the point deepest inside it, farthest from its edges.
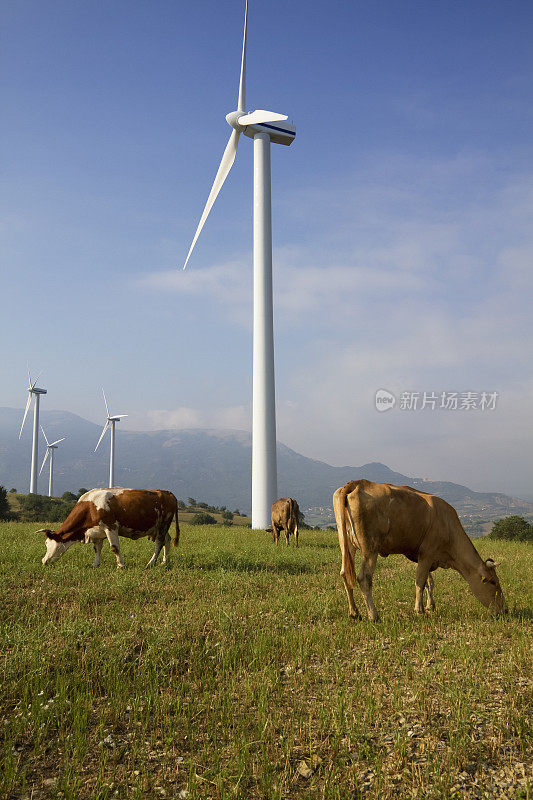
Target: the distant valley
(213, 466)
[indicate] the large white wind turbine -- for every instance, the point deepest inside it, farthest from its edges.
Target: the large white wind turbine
(110, 422)
(33, 392)
(50, 447)
(263, 127)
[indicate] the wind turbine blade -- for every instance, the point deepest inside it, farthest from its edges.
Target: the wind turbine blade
(225, 165)
(44, 434)
(119, 416)
(57, 441)
(106, 426)
(259, 116)
(44, 461)
(241, 103)
(34, 384)
(25, 414)
(105, 401)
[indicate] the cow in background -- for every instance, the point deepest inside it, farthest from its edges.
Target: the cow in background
(109, 513)
(380, 519)
(285, 516)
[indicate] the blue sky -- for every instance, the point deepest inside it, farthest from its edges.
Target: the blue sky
(403, 249)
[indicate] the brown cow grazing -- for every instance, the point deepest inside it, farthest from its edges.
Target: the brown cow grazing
(109, 513)
(285, 516)
(380, 519)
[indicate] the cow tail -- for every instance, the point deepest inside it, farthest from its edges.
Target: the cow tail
(177, 534)
(339, 507)
(295, 513)
(291, 509)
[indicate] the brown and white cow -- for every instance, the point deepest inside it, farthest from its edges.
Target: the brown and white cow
(109, 513)
(285, 516)
(380, 519)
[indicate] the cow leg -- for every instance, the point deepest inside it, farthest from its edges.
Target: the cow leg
(166, 551)
(287, 536)
(296, 536)
(352, 608)
(97, 544)
(275, 533)
(112, 538)
(159, 543)
(422, 577)
(364, 579)
(430, 602)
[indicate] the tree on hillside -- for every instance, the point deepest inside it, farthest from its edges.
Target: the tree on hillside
(227, 514)
(181, 505)
(69, 497)
(5, 512)
(191, 501)
(82, 491)
(513, 527)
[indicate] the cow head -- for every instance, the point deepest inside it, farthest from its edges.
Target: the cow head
(489, 591)
(54, 546)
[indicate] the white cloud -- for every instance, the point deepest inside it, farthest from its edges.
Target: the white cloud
(236, 417)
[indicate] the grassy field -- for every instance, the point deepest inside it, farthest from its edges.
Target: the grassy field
(238, 674)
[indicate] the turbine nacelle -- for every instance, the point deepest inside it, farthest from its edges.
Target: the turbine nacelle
(261, 121)
(32, 390)
(49, 447)
(115, 418)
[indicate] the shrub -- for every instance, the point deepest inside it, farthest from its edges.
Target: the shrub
(69, 497)
(5, 512)
(513, 527)
(39, 508)
(202, 518)
(228, 515)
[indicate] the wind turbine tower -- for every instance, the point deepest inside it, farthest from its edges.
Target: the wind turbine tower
(263, 127)
(110, 422)
(34, 391)
(50, 452)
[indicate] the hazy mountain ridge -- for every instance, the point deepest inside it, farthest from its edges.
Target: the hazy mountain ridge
(207, 464)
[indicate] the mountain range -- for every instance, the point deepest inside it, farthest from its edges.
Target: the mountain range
(209, 465)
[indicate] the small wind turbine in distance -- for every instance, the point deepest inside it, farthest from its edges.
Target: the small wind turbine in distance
(50, 447)
(263, 127)
(110, 422)
(33, 391)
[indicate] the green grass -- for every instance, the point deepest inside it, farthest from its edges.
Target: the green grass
(222, 675)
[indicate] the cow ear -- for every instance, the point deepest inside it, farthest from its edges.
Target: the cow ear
(491, 563)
